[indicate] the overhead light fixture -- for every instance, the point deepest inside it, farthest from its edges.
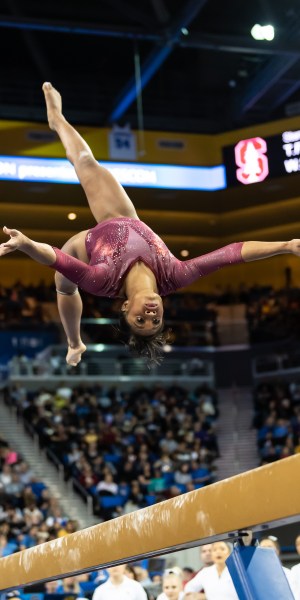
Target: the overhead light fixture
(263, 32)
(184, 31)
(184, 252)
(72, 216)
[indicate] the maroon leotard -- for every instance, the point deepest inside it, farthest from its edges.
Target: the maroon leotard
(114, 246)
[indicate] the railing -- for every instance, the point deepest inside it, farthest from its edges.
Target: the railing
(276, 365)
(85, 495)
(108, 363)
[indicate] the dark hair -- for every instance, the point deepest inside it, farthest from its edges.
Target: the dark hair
(131, 570)
(148, 347)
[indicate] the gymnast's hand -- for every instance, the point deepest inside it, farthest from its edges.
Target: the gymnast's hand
(295, 247)
(16, 241)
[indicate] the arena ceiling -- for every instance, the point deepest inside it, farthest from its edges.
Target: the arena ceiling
(175, 65)
(200, 69)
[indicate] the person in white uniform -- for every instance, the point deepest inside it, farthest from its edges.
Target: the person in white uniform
(215, 580)
(295, 572)
(295, 575)
(119, 587)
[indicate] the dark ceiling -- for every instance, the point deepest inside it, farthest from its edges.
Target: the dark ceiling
(213, 79)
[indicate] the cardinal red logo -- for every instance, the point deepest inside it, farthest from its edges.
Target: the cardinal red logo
(250, 157)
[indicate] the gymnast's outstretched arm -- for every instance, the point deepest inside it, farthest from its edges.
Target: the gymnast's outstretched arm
(186, 272)
(42, 253)
(91, 278)
(259, 250)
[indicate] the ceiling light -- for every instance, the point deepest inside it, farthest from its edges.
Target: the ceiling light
(184, 252)
(72, 216)
(263, 32)
(184, 31)
(269, 32)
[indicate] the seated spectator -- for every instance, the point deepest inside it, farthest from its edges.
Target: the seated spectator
(6, 547)
(32, 515)
(71, 585)
(5, 475)
(136, 497)
(183, 474)
(107, 486)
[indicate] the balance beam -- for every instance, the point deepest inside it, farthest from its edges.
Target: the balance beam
(268, 496)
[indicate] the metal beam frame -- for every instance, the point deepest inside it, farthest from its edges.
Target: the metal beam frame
(212, 42)
(48, 25)
(155, 59)
(283, 55)
(238, 45)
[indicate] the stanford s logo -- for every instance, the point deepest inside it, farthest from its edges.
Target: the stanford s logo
(250, 157)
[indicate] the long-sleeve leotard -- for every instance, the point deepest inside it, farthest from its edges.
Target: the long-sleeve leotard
(114, 246)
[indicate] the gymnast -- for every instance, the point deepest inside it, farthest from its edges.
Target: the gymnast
(121, 256)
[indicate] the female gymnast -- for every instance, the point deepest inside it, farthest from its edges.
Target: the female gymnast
(121, 256)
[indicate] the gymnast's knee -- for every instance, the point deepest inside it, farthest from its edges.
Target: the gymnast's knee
(83, 159)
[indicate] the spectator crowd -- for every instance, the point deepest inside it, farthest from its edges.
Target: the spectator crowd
(277, 419)
(128, 449)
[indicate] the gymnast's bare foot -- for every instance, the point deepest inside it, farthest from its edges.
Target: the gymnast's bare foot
(74, 354)
(53, 103)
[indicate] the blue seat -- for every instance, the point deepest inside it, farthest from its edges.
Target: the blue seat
(200, 473)
(37, 487)
(124, 490)
(168, 478)
(111, 501)
(112, 458)
(87, 587)
(181, 487)
(150, 499)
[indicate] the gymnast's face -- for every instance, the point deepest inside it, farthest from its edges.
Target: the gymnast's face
(144, 313)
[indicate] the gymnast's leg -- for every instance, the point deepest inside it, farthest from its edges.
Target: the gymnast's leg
(106, 197)
(69, 301)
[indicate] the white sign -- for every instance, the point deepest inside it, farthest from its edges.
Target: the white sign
(122, 143)
(60, 170)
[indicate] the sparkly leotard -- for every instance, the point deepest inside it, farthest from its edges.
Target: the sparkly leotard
(114, 246)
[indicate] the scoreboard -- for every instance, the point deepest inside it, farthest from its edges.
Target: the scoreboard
(256, 159)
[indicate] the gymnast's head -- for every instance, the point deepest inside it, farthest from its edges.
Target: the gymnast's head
(141, 321)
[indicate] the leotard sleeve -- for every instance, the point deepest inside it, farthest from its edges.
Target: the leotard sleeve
(186, 272)
(90, 278)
